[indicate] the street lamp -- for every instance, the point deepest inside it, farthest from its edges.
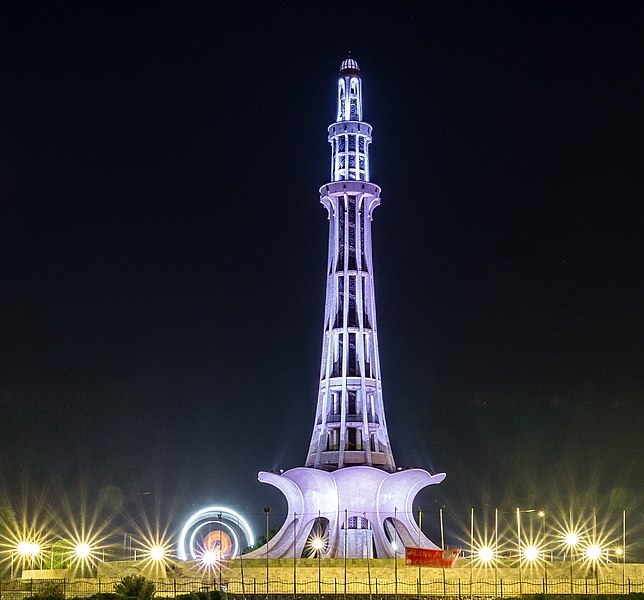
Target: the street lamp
(572, 539)
(318, 545)
(593, 552)
(157, 553)
(221, 554)
(531, 553)
(82, 551)
(209, 558)
(28, 550)
(267, 510)
(24, 549)
(485, 554)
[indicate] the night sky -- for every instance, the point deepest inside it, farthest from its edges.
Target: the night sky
(163, 247)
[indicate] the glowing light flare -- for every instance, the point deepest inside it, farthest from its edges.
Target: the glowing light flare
(28, 549)
(571, 538)
(209, 558)
(156, 549)
(485, 554)
(316, 545)
(531, 553)
(619, 551)
(157, 553)
(23, 534)
(593, 552)
(486, 547)
(83, 550)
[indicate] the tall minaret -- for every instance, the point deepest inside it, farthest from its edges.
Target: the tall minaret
(349, 495)
(350, 427)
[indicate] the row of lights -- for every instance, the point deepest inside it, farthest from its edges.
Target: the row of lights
(593, 552)
(30, 550)
(83, 551)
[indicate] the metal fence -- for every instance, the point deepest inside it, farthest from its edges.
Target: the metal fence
(376, 589)
(455, 588)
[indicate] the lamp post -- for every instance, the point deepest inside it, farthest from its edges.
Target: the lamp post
(440, 518)
(395, 552)
(543, 533)
(346, 549)
(241, 566)
(221, 554)
(420, 527)
(267, 510)
(593, 554)
(519, 548)
(294, 556)
(369, 547)
(156, 554)
(496, 547)
(623, 549)
(572, 539)
(28, 551)
(318, 544)
(485, 554)
(471, 549)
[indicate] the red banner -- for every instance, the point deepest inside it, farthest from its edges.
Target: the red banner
(423, 557)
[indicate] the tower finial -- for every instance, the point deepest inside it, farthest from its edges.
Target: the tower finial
(349, 66)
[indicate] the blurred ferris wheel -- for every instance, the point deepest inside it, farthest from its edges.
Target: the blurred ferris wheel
(214, 532)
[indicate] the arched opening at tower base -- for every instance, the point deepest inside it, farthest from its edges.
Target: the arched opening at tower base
(357, 538)
(317, 542)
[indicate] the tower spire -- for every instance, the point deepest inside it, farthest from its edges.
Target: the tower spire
(350, 427)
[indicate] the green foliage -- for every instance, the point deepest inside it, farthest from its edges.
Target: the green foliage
(134, 587)
(261, 541)
(49, 590)
(212, 595)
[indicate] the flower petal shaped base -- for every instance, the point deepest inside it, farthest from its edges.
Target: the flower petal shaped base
(381, 502)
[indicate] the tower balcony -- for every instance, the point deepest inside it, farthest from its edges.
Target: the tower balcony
(353, 384)
(335, 420)
(329, 458)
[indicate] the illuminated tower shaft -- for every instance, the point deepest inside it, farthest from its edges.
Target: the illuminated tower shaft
(350, 427)
(349, 497)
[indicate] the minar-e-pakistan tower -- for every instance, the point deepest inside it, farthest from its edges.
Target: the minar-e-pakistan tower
(349, 499)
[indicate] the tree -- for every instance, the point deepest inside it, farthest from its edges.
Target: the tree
(134, 587)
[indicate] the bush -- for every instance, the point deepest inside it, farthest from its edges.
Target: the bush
(212, 595)
(101, 596)
(49, 590)
(134, 587)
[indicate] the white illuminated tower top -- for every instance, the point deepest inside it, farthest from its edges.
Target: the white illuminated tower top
(350, 427)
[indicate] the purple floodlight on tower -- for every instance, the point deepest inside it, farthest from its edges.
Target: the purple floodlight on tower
(349, 499)
(350, 426)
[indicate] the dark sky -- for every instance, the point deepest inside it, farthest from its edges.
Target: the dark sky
(163, 249)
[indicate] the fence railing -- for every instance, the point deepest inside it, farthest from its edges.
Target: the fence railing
(19, 589)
